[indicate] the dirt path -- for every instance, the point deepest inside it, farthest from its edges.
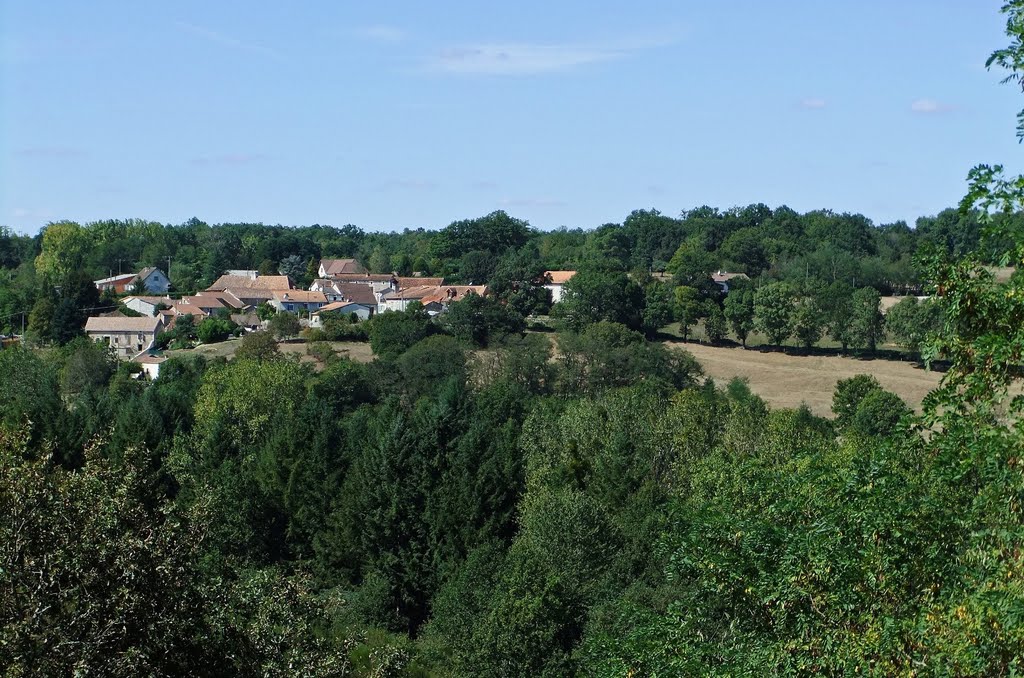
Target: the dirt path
(788, 380)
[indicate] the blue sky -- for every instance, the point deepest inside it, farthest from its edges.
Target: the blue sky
(405, 114)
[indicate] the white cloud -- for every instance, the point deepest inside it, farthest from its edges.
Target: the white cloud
(225, 40)
(524, 58)
(28, 213)
(382, 33)
(929, 106)
(518, 59)
(813, 103)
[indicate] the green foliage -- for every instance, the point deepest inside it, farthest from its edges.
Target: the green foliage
(213, 330)
(31, 400)
(849, 394)
(910, 322)
(808, 322)
(294, 267)
(879, 414)
(431, 364)
(607, 355)
(392, 333)
(86, 366)
(284, 325)
(181, 335)
(739, 311)
(265, 311)
(714, 323)
(478, 320)
(773, 307)
(63, 250)
(594, 295)
(658, 305)
(867, 324)
(493, 233)
(258, 347)
(690, 308)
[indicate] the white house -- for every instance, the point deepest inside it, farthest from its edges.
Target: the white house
(722, 279)
(554, 281)
(151, 279)
(127, 336)
(146, 305)
(298, 300)
(150, 364)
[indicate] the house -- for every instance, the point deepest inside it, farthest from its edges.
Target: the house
(341, 308)
(226, 298)
(416, 281)
(150, 363)
(399, 300)
(449, 293)
(360, 294)
(294, 301)
(722, 279)
(146, 305)
(246, 282)
(332, 267)
(150, 279)
(436, 296)
(197, 305)
(253, 296)
(554, 281)
(127, 336)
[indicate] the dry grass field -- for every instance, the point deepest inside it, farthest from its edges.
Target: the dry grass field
(788, 380)
(357, 351)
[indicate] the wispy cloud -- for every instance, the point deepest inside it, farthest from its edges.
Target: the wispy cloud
(382, 33)
(29, 213)
(813, 103)
(59, 152)
(226, 40)
(929, 106)
(525, 58)
(531, 202)
(229, 159)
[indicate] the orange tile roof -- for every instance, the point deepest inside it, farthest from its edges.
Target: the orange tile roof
(558, 277)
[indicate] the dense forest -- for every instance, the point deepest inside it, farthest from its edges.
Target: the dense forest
(486, 499)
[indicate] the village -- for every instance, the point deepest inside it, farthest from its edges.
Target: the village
(246, 298)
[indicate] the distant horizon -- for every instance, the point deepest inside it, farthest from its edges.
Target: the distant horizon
(397, 115)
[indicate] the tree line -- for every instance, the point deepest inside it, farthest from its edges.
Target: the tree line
(43, 277)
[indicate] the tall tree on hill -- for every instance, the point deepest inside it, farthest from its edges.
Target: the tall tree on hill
(773, 306)
(836, 300)
(689, 309)
(739, 311)
(867, 325)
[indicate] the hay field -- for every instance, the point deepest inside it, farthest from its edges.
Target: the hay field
(785, 380)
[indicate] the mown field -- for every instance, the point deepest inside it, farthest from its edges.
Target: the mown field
(787, 380)
(356, 350)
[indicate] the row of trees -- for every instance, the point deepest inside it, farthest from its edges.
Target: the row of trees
(496, 249)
